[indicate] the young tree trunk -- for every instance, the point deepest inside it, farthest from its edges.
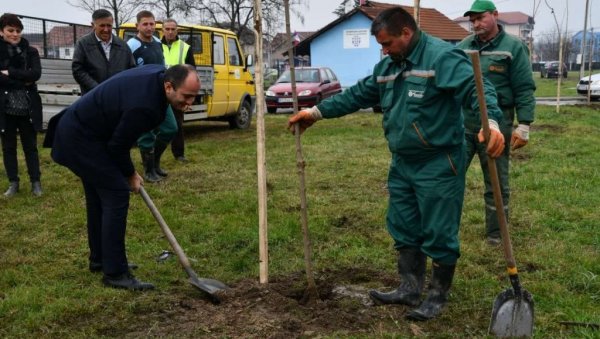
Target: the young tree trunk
(311, 290)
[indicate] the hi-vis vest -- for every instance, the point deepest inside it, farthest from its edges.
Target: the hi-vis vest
(176, 54)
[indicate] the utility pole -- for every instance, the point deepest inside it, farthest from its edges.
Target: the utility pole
(416, 11)
(585, 21)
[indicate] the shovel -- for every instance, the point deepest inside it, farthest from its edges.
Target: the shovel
(210, 286)
(512, 315)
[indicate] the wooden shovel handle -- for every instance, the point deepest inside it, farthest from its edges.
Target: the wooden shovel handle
(167, 232)
(506, 243)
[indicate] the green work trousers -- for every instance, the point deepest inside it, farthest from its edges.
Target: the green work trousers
(502, 162)
(163, 133)
(426, 199)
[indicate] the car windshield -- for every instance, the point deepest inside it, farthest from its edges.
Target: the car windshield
(302, 75)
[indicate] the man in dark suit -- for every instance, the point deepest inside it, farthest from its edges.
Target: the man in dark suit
(93, 139)
(100, 54)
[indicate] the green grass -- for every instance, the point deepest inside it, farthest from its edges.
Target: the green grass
(547, 87)
(211, 206)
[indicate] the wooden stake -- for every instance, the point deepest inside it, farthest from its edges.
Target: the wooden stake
(263, 240)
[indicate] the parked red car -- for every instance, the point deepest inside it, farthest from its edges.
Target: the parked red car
(313, 84)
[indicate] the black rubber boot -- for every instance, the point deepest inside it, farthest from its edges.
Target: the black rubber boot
(13, 188)
(411, 267)
(159, 149)
(150, 174)
(441, 280)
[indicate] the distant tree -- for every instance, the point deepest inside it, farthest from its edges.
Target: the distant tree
(237, 15)
(547, 46)
(341, 9)
(164, 8)
(122, 10)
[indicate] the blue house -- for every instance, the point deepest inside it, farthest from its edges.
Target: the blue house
(348, 48)
(591, 39)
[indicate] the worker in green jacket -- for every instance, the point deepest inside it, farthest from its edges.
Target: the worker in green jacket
(422, 86)
(505, 63)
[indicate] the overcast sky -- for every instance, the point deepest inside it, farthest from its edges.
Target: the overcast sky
(319, 12)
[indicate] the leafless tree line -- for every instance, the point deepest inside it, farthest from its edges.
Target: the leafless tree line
(235, 15)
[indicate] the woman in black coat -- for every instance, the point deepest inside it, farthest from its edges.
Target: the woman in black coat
(20, 103)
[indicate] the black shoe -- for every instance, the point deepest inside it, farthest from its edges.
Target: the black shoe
(13, 188)
(126, 281)
(97, 267)
(36, 188)
(181, 158)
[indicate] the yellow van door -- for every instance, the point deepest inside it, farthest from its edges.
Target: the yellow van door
(237, 82)
(220, 95)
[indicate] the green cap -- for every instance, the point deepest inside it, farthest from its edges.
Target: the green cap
(480, 6)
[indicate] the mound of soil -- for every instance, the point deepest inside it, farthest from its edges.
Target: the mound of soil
(282, 309)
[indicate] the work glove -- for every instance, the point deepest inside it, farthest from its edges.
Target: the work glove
(495, 145)
(520, 137)
(305, 118)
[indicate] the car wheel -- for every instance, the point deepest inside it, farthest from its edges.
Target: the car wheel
(272, 109)
(243, 118)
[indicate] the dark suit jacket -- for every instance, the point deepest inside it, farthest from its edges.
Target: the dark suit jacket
(94, 135)
(90, 66)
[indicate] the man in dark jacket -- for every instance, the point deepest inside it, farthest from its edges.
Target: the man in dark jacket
(93, 139)
(100, 54)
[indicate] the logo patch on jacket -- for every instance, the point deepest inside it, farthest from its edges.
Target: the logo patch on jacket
(415, 94)
(498, 68)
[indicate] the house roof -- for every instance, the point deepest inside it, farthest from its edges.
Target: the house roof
(64, 35)
(432, 22)
(278, 41)
(507, 18)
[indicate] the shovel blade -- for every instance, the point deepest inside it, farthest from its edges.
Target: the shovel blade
(210, 286)
(512, 315)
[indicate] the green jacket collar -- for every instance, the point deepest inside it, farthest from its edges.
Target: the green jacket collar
(416, 47)
(494, 42)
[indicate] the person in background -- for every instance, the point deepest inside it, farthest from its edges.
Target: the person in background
(505, 63)
(147, 49)
(93, 138)
(20, 103)
(422, 85)
(176, 52)
(100, 54)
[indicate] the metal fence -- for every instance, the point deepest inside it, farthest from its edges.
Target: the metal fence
(53, 39)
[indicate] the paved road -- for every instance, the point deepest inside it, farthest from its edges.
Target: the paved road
(563, 101)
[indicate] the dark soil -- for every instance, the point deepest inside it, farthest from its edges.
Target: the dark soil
(280, 309)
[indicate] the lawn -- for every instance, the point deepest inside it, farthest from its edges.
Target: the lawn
(210, 204)
(547, 87)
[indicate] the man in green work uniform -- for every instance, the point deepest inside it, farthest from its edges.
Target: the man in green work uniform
(505, 63)
(422, 86)
(176, 52)
(147, 49)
